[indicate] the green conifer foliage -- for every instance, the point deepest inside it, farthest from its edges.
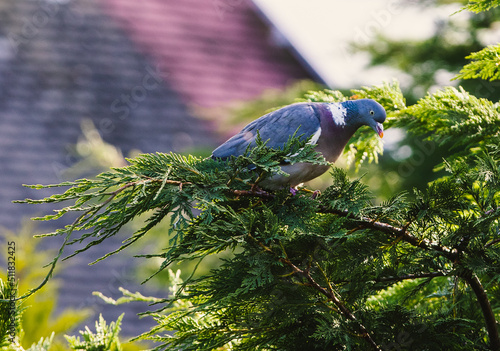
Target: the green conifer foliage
(317, 272)
(485, 64)
(334, 271)
(481, 5)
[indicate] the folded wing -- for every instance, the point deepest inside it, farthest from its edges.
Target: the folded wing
(275, 127)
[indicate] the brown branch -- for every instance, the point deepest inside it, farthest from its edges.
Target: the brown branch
(114, 193)
(401, 234)
(400, 277)
(365, 222)
(164, 181)
(253, 192)
(411, 276)
(326, 292)
(395, 231)
(489, 317)
(331, 296)
(493, 242)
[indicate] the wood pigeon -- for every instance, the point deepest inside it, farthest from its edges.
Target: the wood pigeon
(328, 125)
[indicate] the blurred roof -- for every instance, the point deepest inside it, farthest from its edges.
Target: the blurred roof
(211, 52)
(133, 68)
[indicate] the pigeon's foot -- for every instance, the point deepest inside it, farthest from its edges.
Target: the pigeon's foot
(254, 188)
(314, 193)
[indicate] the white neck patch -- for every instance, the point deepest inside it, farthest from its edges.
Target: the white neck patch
(312, 141)
(338, 113)
(315, 137)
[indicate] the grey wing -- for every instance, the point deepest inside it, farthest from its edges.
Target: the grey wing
(275, 127)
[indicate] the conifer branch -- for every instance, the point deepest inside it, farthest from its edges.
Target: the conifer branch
(331, 296)
(489, 316)
(253, 192)
(485, 64)
(399, 232)
(329, 293)
(411, 276)
(478, 6)
(492, 242)
(433, 230)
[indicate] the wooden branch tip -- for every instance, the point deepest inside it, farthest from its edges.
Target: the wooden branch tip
(253, 192)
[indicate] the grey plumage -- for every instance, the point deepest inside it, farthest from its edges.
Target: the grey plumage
(329, 125)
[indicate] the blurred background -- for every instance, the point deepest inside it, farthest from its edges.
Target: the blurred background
(86, 83)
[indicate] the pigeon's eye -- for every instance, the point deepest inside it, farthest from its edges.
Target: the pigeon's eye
(372, 112)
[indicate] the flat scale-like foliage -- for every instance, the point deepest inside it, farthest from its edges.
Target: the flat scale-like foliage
(485, 64)
(309, 271)
(329, 271)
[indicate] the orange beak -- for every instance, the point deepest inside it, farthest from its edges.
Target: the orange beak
(380, 130)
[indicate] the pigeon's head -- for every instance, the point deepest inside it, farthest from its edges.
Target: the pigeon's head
(366, 112)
